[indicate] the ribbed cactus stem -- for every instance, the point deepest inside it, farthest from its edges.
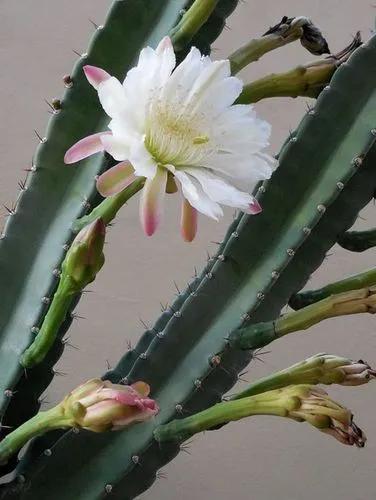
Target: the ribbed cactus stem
(358, 241)
(193, 19)
(355, 282)
(353, 302)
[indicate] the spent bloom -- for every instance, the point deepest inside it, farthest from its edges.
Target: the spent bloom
(99, 405)
(319, 410)
(178, 127)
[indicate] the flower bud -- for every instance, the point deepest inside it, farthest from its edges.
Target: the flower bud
(85, 257)
(99, 405)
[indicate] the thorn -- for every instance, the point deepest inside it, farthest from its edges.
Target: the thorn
(129, 345)
(177, 288)
(77, 53)
(11, 211)
(163, 307)
(109, 367)
(161, 475)
(185, 447)
(58, 373)
(49, 104)
(22, 185)
(76, 316)
(67, 343)
(94, 24)
(195, 270)
(241, 377)
(144, 324)
(40, 138)
(43, 400)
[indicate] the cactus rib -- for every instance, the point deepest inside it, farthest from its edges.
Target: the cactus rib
(251, 279)
(358, 241)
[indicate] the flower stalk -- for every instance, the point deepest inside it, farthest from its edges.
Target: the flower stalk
(305, 80)
(319, 369)
(96, 405)
(287, 31)
(261, 334)
(192, 20)
(83, 261)
(302, 403)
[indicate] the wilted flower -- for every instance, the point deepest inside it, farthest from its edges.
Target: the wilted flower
(98, 405)
(319, 410)
(179, 125)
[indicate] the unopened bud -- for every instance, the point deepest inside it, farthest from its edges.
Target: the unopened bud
(85, 257)
(98, 405)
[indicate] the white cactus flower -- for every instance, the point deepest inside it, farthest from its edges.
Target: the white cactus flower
(179, 124)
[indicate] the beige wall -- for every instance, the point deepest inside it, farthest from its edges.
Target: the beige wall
(258, 459)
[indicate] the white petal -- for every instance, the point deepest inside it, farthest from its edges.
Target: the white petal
(213, 72)
(219, 190)
(117, 148)
(197, 197)
(112, 97)
(143, 163)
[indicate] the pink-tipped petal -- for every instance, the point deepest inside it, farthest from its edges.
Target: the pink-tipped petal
(164, 44)
(115, 179)
(152, 198)
(84, 148)
(95, 76)
(254, 207)
(188, 223)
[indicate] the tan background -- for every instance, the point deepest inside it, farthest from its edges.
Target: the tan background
(260, 458)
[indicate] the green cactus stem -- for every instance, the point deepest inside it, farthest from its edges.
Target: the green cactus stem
(261, 334)
(355, 282)
(306, 80)
(358, 241)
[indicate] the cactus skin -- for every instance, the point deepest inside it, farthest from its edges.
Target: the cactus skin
(250, 275)
(55, 197)
(358, 241)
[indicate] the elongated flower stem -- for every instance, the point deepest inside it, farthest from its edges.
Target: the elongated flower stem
(257, 47)
(108, 209)
(305, 81)
(258, 335)
(39, 424)
(51, 323)
(355, 282)
(221, 413)
(192, 20)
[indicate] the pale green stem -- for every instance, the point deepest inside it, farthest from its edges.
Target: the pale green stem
(108, 209)
(222, 413)
(257, 47)
(356, 282)
(39, 424)
(192, 20)
(54, 318)
(306, 81)
(259, 335)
